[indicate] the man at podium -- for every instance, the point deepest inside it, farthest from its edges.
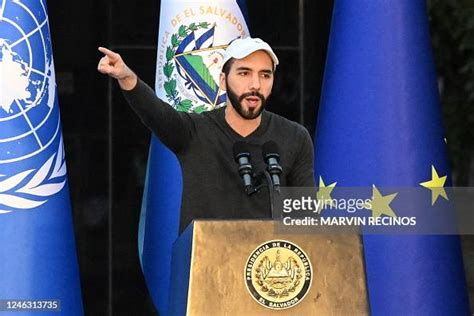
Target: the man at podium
(209, 144)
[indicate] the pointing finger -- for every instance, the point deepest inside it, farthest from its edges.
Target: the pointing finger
(110, 54)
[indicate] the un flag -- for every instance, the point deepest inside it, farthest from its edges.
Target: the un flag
(38, 264)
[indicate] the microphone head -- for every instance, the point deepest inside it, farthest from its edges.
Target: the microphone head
(270, 149)
(240, 149)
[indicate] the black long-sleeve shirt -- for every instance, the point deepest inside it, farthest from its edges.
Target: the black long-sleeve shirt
(212, 187)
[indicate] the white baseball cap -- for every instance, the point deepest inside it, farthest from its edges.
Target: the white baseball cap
(242, 47)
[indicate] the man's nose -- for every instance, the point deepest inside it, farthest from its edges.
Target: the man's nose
(255, 82)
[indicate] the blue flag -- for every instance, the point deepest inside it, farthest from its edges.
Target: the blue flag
(37, 249)
(192, 38)
(380, 126)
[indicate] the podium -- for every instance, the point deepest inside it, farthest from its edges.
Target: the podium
(247, 267)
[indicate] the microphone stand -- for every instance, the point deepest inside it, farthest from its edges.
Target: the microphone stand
(271, 189)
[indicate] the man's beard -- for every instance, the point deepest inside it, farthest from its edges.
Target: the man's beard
(236, 102)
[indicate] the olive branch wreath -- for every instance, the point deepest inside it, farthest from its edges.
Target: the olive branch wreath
(15, 195)
(183, 105)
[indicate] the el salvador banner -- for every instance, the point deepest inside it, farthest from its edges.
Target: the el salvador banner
(191, 42)
(380, 126)
(38, 264)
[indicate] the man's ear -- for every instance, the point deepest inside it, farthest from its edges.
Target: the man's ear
(222, 81)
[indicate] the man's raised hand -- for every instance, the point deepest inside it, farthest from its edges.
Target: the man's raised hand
(113, 65)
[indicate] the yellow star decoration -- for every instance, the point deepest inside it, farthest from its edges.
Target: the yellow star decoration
(436, 185)
(324, 192)
(381, 203)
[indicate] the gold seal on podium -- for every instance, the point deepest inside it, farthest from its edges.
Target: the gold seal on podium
(278, 274)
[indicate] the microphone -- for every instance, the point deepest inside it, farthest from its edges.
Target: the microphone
(272, 159)
(242, 157)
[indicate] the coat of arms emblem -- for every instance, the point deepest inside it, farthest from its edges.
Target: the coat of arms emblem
(278, 274)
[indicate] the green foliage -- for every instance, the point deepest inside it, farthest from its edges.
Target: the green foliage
(185, 105)
(174, 40)
(168, 69)
(193, 27)
(200, 109)
(182, 31)
(170, 86)
(169, 53)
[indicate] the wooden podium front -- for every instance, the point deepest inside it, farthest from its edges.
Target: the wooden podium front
(212, 263)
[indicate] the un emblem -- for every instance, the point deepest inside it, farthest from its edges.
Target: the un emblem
(278, 274)
(32, 166)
